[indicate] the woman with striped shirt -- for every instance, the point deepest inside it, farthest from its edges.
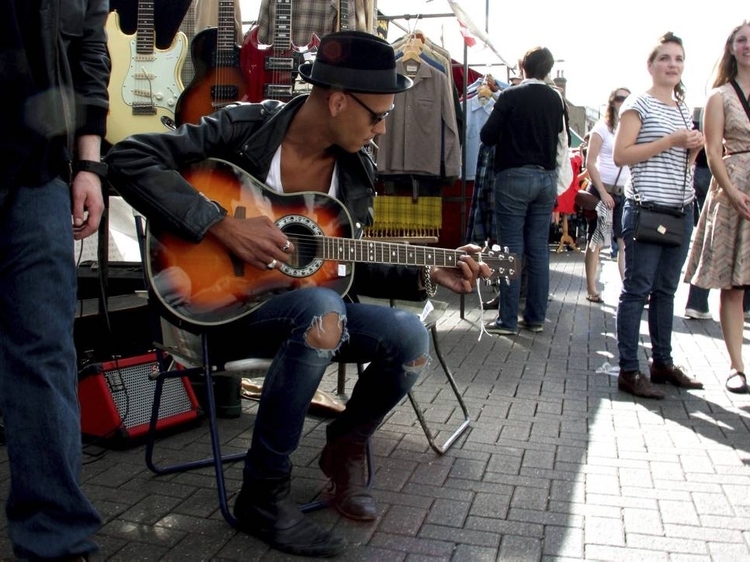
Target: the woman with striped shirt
(656, 140)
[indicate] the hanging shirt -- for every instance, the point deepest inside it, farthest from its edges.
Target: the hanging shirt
(422, 134)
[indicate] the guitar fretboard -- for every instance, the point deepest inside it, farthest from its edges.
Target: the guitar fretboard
(372, 251)
(282, 29)
(226, 43)
(144, 42)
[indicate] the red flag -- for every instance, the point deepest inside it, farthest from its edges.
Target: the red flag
(469, 39)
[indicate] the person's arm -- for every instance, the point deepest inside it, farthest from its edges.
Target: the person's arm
(595, 147)
(713, 128)
(627, 152)
(86, 190)
(90, 67)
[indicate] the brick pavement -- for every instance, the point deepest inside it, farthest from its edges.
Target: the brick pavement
(557, 465)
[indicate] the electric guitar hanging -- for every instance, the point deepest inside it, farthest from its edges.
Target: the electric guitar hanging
(218, 80)
(270, 70)
(202, 284)
(145, 82)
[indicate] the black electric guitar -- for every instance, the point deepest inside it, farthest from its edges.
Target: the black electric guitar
(218, 80)
(202, 284)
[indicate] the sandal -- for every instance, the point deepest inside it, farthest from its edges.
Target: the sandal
(594, 298)
(737, 383)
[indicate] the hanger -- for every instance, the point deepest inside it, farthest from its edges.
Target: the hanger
(412, 50)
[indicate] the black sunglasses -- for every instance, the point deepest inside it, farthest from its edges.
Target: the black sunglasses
(620, 98)
(376, 117)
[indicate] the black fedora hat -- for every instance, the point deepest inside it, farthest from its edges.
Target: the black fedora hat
(355, 61)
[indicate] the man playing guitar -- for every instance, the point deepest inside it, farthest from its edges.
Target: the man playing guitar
(313, 144)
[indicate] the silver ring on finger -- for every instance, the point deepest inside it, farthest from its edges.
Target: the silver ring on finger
(272, 265)
(286, 246)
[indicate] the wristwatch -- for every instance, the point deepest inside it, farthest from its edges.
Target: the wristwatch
(99, 168)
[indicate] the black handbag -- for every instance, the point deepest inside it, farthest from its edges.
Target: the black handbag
(656, 224)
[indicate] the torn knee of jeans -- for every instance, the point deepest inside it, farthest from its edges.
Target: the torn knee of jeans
(327, 333)
(418, 365)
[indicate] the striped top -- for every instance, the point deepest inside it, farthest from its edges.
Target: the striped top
(665, 178)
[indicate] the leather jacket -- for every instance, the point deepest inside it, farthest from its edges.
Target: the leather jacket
(65, 98)
(247, 135)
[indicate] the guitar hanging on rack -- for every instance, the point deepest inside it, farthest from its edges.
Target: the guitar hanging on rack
(270, 70)
(218, 79)
(202, 284)
(145, 82)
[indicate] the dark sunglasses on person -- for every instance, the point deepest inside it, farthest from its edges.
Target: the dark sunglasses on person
(620, 98)
(376, 117)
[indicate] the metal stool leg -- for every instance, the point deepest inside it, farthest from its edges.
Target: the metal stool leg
(441, 449)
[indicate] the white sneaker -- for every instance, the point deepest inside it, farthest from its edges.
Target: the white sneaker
(697, 314)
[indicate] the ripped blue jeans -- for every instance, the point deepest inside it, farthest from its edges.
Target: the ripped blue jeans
(394, 343)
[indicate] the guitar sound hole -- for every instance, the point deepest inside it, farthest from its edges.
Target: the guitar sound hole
(305, 246)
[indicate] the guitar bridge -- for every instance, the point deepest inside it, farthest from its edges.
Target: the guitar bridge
(144, 109)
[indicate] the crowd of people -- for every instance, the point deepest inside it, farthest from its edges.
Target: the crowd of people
(642, 153)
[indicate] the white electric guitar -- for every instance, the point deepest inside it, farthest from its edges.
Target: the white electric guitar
(145, 82)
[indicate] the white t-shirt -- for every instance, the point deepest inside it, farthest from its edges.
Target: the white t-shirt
(664, 178)
(605, 163)
(273, 179)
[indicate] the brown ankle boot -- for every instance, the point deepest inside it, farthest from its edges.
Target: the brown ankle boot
(343, 460)
(263, 509)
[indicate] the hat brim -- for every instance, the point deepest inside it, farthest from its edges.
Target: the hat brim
(367, 83)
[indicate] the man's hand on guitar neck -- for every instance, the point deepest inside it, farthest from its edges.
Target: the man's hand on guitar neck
(256, 241)
(462, 279)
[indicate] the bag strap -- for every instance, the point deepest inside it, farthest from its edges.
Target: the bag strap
(741, 95)
(619, 171)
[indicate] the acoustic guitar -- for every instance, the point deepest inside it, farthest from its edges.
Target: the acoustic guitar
(145, 82)
(204, 285)
(271, 70)
(218, 79)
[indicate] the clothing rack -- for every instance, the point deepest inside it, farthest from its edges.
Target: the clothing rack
(465, 64)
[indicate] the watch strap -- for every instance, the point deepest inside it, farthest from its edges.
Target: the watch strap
(99, 168)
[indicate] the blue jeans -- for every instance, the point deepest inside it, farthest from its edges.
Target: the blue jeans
(650, 271)
(389, 339)
(524, 199)
(48, 514)
(698, 297)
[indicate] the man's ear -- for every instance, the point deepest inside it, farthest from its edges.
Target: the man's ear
(336, 102)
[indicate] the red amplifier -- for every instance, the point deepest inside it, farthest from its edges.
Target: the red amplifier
(116, 399)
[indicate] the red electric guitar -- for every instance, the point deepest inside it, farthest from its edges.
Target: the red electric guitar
(202, 284)
(218, 80)
(270, 70)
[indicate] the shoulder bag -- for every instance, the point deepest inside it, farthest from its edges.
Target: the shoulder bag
(588, 198)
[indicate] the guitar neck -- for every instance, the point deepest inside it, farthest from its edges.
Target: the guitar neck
(226, 39)
(145, 31)
(343, 15)
(374, 251)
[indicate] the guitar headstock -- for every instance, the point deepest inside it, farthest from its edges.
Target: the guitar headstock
(504, 265)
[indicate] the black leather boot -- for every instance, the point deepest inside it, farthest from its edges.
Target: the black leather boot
(263, 509)
(343, 460)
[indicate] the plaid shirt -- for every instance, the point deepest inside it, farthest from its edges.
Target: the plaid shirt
(481, 227)
(318, 17)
